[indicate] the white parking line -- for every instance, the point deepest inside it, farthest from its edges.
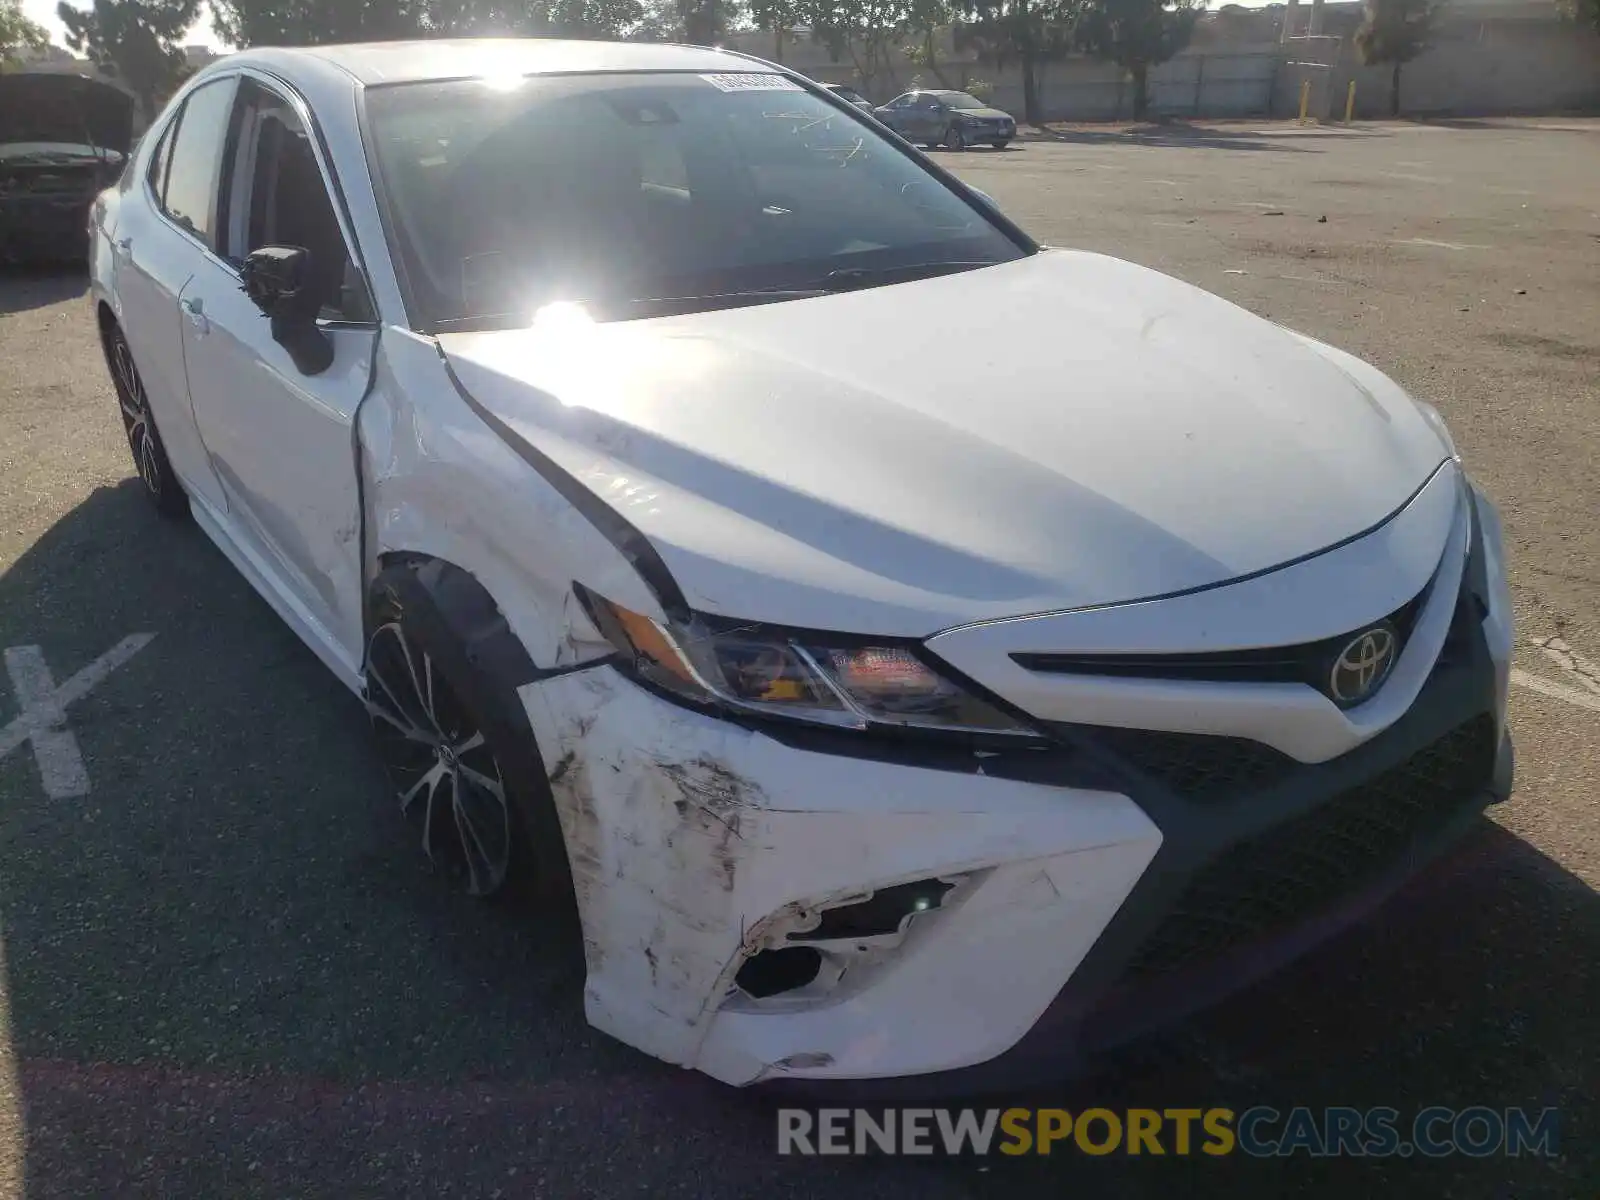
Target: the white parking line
(43, 720)
(1439, 245)
(1560, 691)
(1576, 668)
(1564, 656)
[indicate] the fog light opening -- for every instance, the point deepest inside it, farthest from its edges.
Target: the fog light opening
(773, 972)
(881, 914)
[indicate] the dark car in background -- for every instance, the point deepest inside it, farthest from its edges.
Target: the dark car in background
(848, 94)
(950, 119)
(63, 140)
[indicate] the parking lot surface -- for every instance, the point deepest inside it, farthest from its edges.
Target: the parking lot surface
(223, 973)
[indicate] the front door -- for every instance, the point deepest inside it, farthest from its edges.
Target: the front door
(281, 441)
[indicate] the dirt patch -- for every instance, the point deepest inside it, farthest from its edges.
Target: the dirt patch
(1548, 346)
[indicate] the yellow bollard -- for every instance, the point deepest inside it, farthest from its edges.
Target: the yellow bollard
(1305, 99)
(1350, 102)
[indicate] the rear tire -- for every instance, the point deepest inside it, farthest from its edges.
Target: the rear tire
(144, 441)
(455, 739)
(955, 139)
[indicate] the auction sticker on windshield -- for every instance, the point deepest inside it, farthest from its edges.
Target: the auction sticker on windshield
(756, 81)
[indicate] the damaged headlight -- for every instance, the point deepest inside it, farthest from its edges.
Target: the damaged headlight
(802, 676)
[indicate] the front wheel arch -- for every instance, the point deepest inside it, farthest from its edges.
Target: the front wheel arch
(453, 610)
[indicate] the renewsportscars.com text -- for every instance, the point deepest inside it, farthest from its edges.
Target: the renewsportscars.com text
(1258, 1132)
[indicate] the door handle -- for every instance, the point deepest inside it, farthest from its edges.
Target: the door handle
(197, 315)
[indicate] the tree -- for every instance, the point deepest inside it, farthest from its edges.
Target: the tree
(1025, 32)
(1395, 31)
(310, 22)
(867, 31)
(705, 22)
(777, 17)
(18, 33)
(659, 22)
(138, 41)
(594, 18)
(1137, 35)
(1586, 12)
(924, 20)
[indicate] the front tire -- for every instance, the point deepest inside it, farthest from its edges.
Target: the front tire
(1000, 143)
(455, 739)
(149, 452)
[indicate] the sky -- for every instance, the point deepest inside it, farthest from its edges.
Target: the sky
(44, 12)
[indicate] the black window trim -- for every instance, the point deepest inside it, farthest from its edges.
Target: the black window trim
(319, 149)
(165, 136)
(296, 103)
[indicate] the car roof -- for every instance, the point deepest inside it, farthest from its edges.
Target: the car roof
(374, 63)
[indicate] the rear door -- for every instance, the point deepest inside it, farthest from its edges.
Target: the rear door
(163, 233)
(281, 441)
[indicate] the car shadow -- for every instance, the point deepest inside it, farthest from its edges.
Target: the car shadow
(1476, 985)
(28, 287)
(225, 974)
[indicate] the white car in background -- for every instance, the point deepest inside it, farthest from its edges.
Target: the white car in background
(912, 650)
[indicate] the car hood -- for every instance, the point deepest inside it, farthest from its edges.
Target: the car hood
(1062, 431)
(64, 108)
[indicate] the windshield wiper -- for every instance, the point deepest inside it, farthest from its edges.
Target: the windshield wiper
(845, 279)
(842, 279)
(663, 306)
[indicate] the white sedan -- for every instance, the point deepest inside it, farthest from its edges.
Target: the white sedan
(908, 648)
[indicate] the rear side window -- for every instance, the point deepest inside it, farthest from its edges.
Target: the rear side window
(196, 154)
(157, 173)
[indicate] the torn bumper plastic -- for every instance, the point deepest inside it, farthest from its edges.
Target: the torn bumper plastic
(697, 845)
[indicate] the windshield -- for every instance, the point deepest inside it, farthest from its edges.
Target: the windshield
(961, 100)
(623, 189)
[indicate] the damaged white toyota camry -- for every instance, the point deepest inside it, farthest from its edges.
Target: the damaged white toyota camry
(913, 651)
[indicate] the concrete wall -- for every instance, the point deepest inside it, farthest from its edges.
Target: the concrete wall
(1486, 68)
(1533, 63)
(1215, 81)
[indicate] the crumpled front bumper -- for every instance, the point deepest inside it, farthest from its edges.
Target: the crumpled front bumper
(695, 843)
(1095, 898)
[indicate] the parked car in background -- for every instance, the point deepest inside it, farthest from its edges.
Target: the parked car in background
(953, 120)
(63, 139)
(848, 93)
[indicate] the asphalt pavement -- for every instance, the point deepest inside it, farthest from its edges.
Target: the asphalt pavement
(224, 973)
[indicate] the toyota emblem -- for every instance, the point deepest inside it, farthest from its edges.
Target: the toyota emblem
(1361, 667)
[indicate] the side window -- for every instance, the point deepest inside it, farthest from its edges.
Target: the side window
(190, 197)
(158, 160)
(279, 198)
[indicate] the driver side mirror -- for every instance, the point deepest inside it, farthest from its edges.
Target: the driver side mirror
(278, 281)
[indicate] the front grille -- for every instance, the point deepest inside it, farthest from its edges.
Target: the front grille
(1290, 873)
(1197, 765)
(1307, 662)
